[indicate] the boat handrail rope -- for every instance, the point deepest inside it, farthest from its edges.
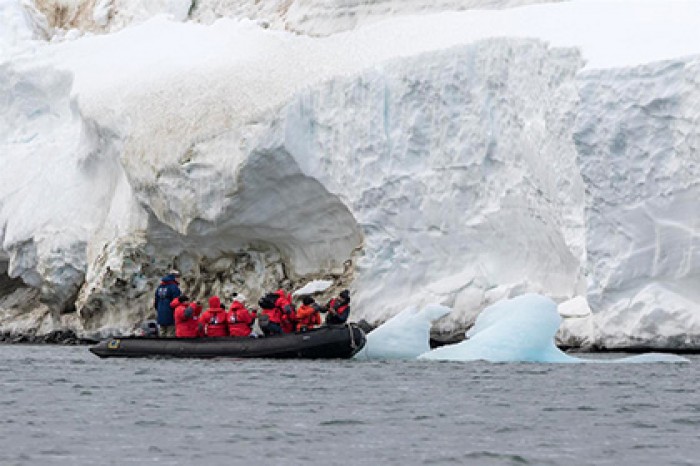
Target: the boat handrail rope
(353, 345)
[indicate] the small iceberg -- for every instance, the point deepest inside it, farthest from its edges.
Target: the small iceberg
(404, 336)
(518, 329)
(521, 329)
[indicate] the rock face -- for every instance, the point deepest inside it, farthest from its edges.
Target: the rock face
(408, 160)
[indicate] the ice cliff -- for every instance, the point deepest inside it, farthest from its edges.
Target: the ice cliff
(456, 158)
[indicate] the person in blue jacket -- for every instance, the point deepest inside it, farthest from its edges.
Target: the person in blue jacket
(165, 293)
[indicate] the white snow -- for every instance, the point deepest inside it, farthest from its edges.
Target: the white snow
(16, 27)
(314, 286)
(325, 17)
(576, 307)
(457, 157)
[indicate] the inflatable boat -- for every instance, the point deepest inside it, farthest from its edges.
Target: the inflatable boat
(332, 342)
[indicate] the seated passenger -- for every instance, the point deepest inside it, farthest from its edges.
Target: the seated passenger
(186, 318)
(288, 313)
(270, 318)
(338, 309)
(240, 319)
(214, 319)
(308, 315)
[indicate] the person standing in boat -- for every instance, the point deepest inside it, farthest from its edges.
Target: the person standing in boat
(165, 293)
(338, 309)
(308, 315)
(186, 318)
(214, 319)
(239, 318)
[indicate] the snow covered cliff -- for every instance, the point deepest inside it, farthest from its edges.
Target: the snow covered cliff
(457, 157)
(638, 143)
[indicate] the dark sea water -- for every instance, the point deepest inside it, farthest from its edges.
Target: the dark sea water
(62, 405)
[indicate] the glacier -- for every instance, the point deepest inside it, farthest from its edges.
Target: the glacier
(456, 156)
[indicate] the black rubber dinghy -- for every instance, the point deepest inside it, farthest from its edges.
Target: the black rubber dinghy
(333, 342)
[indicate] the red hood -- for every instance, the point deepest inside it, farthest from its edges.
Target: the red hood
(214, 302)
(287, 298)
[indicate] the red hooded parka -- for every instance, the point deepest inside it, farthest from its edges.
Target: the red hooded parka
(214, 319)
(186, 321)
(239, 320)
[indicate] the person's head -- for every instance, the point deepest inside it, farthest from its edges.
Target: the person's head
(149, 328)
(267, 302)
(239, 298)
(345, 294)
(174, 273)
(214, 302)
(307, 300)
(184, 298)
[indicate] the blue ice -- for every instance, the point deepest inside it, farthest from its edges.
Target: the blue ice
(518, 329)
(404, 336)
(521, 329)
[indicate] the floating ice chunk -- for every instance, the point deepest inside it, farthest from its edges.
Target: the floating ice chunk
(404, 336)
(523, 329)
(647, 358)
(518, 329)
(314, 286)
(575, 307)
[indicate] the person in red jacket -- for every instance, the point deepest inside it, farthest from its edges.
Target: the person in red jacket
(214, 319)
(198, 313)
(287, 311)
(197, 308)
(239, 318)
(186, 319)
(270, 318)
(308, 315)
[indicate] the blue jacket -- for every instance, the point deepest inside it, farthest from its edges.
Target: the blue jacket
(165, 293)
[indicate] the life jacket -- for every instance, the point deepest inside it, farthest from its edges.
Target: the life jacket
(185, 327)
(214, 319)
(239, 320)
(342, 310)
(275, 315)
(307, 317)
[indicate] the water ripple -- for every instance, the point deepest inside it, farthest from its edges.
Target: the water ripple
(384, 412)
